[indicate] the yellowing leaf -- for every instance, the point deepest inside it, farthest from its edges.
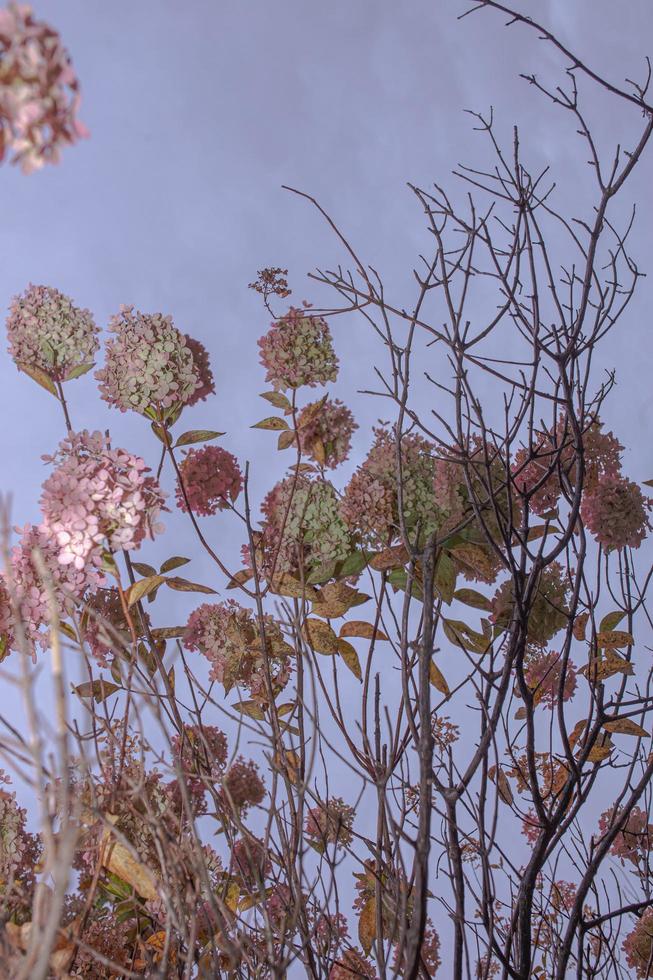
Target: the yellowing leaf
(350, 657)
(41, 378)
(601, 749)
(437, 679)
(611, 621)
(182, 585)
(614, 638)
(499, 777)
(175, 562)
(320, 636)
(367, 926)
(241, 578)
(277, 398)
(197, 435)
(290, 586)
(273, 422)
(356, 627)
(625, 726)
(115, 857)
(251, 708)
(473, 598)
(605, 665)
(336, 599)
(142, 588)
(99, 689)
(79, 370)
(394, 557)
(580, 625)
(286, 439)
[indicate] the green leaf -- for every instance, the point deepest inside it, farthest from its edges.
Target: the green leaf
(353, 564)
(161, 433)
(277, 399)
(78, 371)
(611, 621)
(197, 435)
(99, 690)
(251, 708)
(41, 378)
(142, 588)
(272, 422)
(143, 569)
(182, 585)
(473, 598)
(445, 578)
(172, 563)
(462, 635)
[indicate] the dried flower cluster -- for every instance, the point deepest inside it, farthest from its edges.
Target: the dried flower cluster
(298, 350)
(39, 91)
(325, 429)
(211, 479)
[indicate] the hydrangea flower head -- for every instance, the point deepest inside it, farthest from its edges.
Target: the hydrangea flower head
(298, 350)
(370, 505)
(330, 823)
(303, 524)
(39, 91)
(149, 366)
(48, 332)
(325, 429)
(98, 496)
(616, 512)
(635, 839)
(352, 965)
(202, 370)
(638, 945)
(242, 787)
(212, 479)
(104, 626)
(201, 751)
(548, 613)
(229, 637)
(542, 673)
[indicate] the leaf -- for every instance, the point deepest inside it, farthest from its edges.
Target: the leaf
(499, 778)
(143, 569)
(625, 726)
(118, 860)
(79, 370)
(394, 557)
(99, 690)
(534, 533)
(41, 378)
(290, 586)
(611, 621)
(601, 749)
(240, 578)
(367, 925)
(473, 598)
(352, 565)
(182, 585)
(445, 578)
(606, 665)
(398, 579)
(580, 626)
(277, 398)
(336, 599)
(350, 657)
(365, 631)
(273, 422)
(614, 638)
(286, 709)
(172, 563)
(142, 588)
(168, 632)
(437, 679)
(286, 439)
(462, 635)
(475, 559)
(320, 636)
(251, 708)
(322, 573)
(197, 435)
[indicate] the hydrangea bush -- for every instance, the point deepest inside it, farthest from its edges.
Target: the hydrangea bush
(408, 734)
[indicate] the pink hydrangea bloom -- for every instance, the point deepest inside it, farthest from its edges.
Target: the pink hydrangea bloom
(330, 823)
(298, 350)
(202, 751)
(104, 627)
(39, 91)
(148, 367)
(242, 787)
(548, 612)
(6, 619)
(370, 505)
(202, 369)
(542, 673)
(531, 827)
(635, 839)
(47, 331)
(615, 512)
(302, 523)
(68, 583)
(352, 965)
(450, 491)
(329, 932)
(638, 945)
(429, 953)
(250, 861)
(229, 637)
(211, 478)
(556, 453)
(97, 497)
(325, 429)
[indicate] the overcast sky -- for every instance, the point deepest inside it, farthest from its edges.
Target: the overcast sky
(199, 111)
